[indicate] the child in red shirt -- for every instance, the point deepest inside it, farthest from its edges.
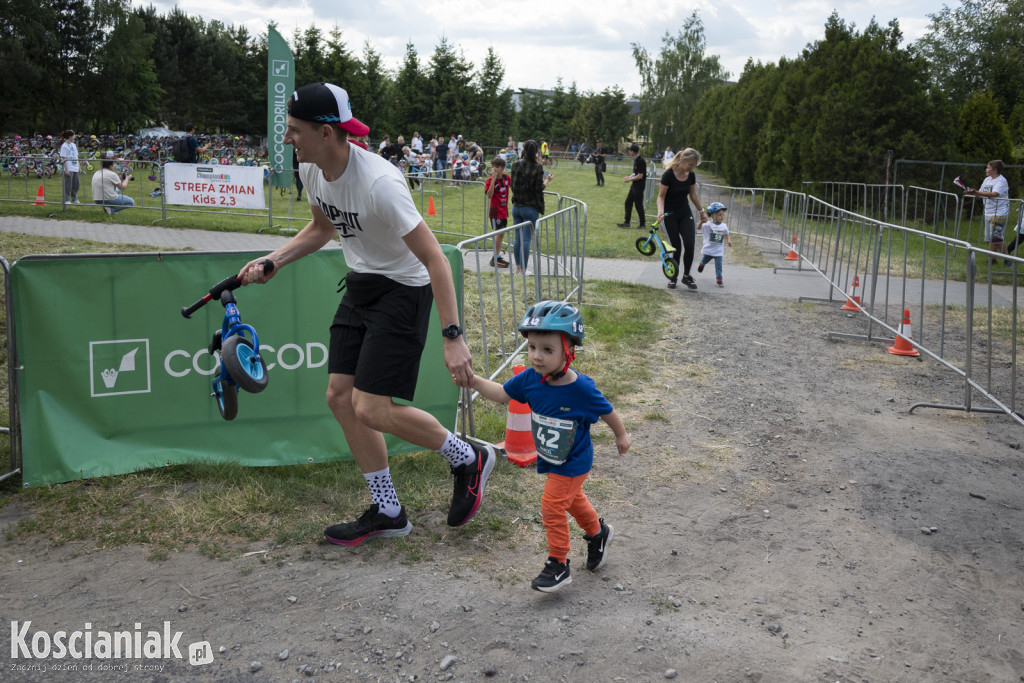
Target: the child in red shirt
(496, 189)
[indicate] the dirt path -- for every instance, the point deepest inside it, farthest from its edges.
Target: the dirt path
(769, 527)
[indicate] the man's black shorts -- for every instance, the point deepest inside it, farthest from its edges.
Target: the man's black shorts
(378, 334)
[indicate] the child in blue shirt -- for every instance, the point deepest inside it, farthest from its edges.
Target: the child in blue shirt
(563, 405)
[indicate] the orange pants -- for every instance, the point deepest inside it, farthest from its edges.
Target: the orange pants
(561, 495)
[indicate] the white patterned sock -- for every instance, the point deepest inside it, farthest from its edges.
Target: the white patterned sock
(456, 451)
(382, 491)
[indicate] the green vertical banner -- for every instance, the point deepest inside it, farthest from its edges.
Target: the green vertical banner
(280, 86)
(115, 380)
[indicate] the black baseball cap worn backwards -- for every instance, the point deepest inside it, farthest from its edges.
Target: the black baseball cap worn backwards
(326, 103)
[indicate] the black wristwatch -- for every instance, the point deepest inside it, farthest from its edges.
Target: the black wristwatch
(452, 331)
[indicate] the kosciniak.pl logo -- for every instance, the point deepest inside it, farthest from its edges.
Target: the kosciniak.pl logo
(119, 366)
(87, 643)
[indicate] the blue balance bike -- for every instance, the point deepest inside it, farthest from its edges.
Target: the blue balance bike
(240, 364)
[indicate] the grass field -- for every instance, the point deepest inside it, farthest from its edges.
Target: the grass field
(459, 211)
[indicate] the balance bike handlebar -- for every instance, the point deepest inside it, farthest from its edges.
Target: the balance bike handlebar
(227, 284)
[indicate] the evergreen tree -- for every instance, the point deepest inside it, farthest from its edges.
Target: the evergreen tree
(450, 77)
(341, 66)
(533, 117)
(410, 96)
(310, 57)
(175, 47)
(125, 90)
(493, 108)
(584, 122)
(614, 118)
(370, 85)
(27, 67)
(250, 59)
(74, 38)
(562, 105)
(983, 134)
(1016, 127)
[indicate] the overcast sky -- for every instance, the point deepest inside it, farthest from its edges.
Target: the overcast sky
(586, 41)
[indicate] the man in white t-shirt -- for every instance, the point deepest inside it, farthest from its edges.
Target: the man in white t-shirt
(107, 187)
(379, 331)
(996, 194)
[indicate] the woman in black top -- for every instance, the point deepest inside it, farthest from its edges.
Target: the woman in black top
(678, 184)
(528, 183)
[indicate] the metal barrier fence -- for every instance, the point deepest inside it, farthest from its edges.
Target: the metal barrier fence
(148, 193)
(494, 300)
(940, 174)
(944, 213)
(866, 199)
(22, 177)
(964, 316)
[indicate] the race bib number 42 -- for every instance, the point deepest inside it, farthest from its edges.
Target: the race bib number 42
(553, 437)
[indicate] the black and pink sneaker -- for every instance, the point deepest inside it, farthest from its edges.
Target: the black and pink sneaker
(371, 523)
(470, 481)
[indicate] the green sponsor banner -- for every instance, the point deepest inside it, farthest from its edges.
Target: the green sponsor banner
(280, 86)
(115, 380)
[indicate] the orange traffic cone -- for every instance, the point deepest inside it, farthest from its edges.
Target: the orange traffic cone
(518, 443)
(40, 197)
(792, 255)
(852, 300)
(903, 347)
(430, 207)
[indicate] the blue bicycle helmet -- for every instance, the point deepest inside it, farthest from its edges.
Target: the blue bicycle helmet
(716, 207)
(554, 316)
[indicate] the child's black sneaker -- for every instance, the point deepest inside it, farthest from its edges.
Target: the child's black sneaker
(700, 267)
(373, 522)
(719, 281)
(552, 577)
(597, 545)
(470, 481)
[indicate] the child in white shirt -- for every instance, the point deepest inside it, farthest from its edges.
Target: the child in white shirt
(716, 236)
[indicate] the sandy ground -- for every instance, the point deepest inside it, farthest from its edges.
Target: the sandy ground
(781, 517)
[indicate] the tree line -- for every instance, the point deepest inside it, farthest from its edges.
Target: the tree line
(105, 67)
(837, 110)
(833, 112)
